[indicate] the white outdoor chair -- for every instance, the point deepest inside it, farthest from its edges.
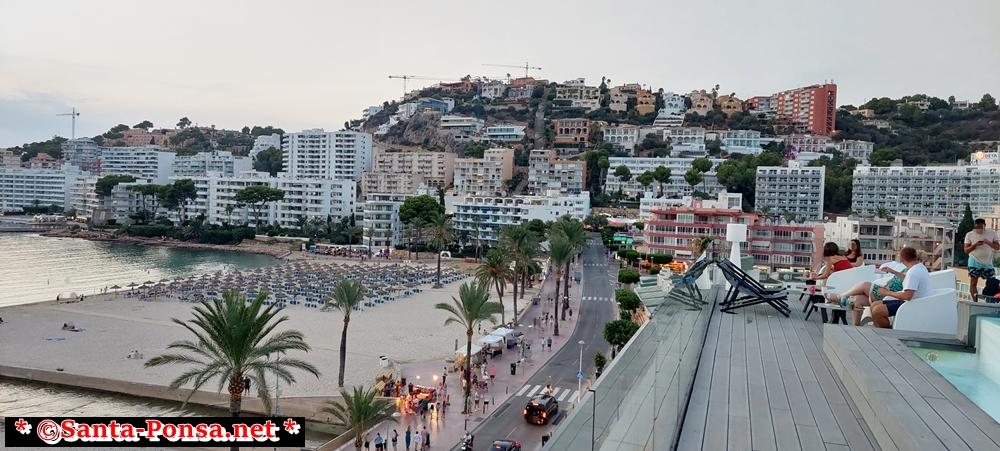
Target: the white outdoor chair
(935, 313)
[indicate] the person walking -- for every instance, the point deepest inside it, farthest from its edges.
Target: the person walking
(246, 385)
(378, 441)
(981, 244)
(426, 437)
(395, 439)
(407, 437)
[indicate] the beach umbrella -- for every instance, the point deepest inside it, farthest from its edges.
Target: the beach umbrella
(148, 282)
(133, 285)
(115, 287)
(164, 280)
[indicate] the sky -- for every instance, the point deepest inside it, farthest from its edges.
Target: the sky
(302, 64)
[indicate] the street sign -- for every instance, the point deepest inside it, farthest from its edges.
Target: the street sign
(579, 374)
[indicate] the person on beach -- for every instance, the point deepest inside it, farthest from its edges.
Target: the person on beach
(406, 438)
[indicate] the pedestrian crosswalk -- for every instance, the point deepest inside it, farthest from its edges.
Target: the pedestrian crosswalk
(561, 394)
(597, 298)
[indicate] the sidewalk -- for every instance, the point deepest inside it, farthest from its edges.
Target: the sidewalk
(447, 429)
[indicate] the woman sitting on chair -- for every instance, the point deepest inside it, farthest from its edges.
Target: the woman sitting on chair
(865, 293)
(833, 262)
(854, 254)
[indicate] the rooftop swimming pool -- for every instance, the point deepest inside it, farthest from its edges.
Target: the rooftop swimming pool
(976, 375)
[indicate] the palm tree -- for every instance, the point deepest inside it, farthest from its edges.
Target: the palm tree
(346, 295)
(477, 223)
(494, 271)
(235, 340)
(418, 225)
(517, 241)
(442, 234)
(576, 236)
(360, 411)
(560, 252)
(470, 309)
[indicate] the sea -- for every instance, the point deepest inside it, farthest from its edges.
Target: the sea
(36, 268)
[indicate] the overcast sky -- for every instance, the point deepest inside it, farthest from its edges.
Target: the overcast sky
(304, 64)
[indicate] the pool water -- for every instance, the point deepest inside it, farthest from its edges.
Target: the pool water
(976, 375)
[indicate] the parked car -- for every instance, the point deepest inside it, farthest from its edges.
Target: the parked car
(541, 409)
(506, 445)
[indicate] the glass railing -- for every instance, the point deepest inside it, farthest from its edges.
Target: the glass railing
(639, 401)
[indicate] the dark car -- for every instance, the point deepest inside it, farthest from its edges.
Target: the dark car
(541, 409)
(506, 445)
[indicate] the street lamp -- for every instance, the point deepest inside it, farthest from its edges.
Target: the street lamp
(579, 376)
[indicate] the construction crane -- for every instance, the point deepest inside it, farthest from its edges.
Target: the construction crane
(418, 77)
(73, 114)
(526, 67)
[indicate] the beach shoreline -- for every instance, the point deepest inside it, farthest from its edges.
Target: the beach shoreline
(276, 250)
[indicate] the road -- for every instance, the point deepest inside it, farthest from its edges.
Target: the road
(596, 308)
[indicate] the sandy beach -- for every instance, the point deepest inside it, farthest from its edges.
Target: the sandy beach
(407, 330)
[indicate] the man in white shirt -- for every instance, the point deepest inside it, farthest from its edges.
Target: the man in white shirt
(981, 244)
(917, 283)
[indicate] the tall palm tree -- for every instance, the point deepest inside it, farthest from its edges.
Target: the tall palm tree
(518, 241)
(576, 236)
(346, 295)
(494, 271)
(469, 310)
(441, 234)
(477, 223)
(360, 411)
(234, 340)
(560, 252)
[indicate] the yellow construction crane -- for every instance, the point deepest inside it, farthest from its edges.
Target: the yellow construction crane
(526, 67)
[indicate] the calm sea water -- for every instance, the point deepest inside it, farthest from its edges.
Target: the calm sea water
(36, 268)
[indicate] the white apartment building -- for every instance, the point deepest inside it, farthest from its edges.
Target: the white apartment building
(484, 176)
(318, 154)
(740, 141)
(926, 191)
(933, 238)
(675, 188)
(461, 125)
(724, 201)
(858, 150)
(673, 104)
(147, 162)
(504, 133)
(622, 136)
(26, 187)
(202, 163)
(81, 194)
(391, 183)
(304, 198)
(579, 94)
(547, 173)
(495, 212)
(264, 142)
(367, 113)
(493, 90)
(380, 219)
(83, 153)
(668, 120)
(688, 140)
(874, 234)
(808, 143)
(436, 168)
(794, 189)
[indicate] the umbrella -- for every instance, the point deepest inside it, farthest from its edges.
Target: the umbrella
(164, 280)
(133, 284)
(148, 282)
(115, 287)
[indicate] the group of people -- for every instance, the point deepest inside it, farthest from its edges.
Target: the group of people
(420, 440)
(134, 355)
(909, 282)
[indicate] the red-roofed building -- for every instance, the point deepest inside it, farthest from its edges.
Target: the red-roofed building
(774, 245)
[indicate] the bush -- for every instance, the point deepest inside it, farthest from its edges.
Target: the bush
(661, 259)
(618, 332)
(600, 360)
(628, 276)
(654, 271)
(627, 299)
(625, 315)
